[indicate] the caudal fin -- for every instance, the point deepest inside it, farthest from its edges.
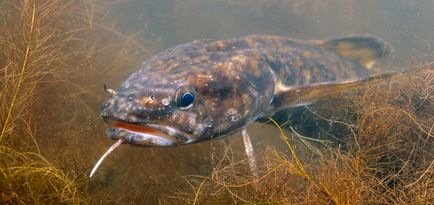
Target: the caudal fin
(365, 50)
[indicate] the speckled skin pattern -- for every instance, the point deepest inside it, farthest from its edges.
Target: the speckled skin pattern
(235, 82)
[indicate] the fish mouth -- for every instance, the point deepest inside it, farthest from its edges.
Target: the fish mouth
(148, 134)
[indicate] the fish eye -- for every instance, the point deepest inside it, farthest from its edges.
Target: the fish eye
(186, 100)
(185, 97)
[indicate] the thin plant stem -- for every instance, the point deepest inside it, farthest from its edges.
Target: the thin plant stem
(21, 78)
(301, 167)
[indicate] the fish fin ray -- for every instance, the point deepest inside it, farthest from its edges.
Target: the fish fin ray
(301, 95)
(365, 50)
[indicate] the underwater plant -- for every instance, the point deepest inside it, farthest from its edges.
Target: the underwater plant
(33, 42)
(48, 49)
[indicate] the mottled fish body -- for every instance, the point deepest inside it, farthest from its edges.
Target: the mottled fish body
(209, 89)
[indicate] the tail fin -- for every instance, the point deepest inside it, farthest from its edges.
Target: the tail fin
(365, 50)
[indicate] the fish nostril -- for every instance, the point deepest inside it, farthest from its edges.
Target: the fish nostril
(147, 101)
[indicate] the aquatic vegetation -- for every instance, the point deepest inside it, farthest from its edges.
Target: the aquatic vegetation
(44, 48)
(386, 156)
(33, 45)
(28, 178)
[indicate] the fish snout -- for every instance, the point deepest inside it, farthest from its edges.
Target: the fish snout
(130, 109)
(117, 108)
(107, 109)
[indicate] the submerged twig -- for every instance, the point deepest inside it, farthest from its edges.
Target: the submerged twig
(113, 147)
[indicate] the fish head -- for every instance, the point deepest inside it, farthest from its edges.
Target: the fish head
(156, 110)
(187, 95)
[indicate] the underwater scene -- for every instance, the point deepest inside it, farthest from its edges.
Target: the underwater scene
(216, 102)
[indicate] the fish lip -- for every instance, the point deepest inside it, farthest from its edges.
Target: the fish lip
(168, 135)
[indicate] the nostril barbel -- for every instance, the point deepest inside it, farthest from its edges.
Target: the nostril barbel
(109, 90)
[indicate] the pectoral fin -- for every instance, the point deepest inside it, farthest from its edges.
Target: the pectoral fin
(302, 95)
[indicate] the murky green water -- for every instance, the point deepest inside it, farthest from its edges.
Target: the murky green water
(74, 136)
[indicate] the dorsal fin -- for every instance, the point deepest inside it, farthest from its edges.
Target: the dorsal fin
(365, 50)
